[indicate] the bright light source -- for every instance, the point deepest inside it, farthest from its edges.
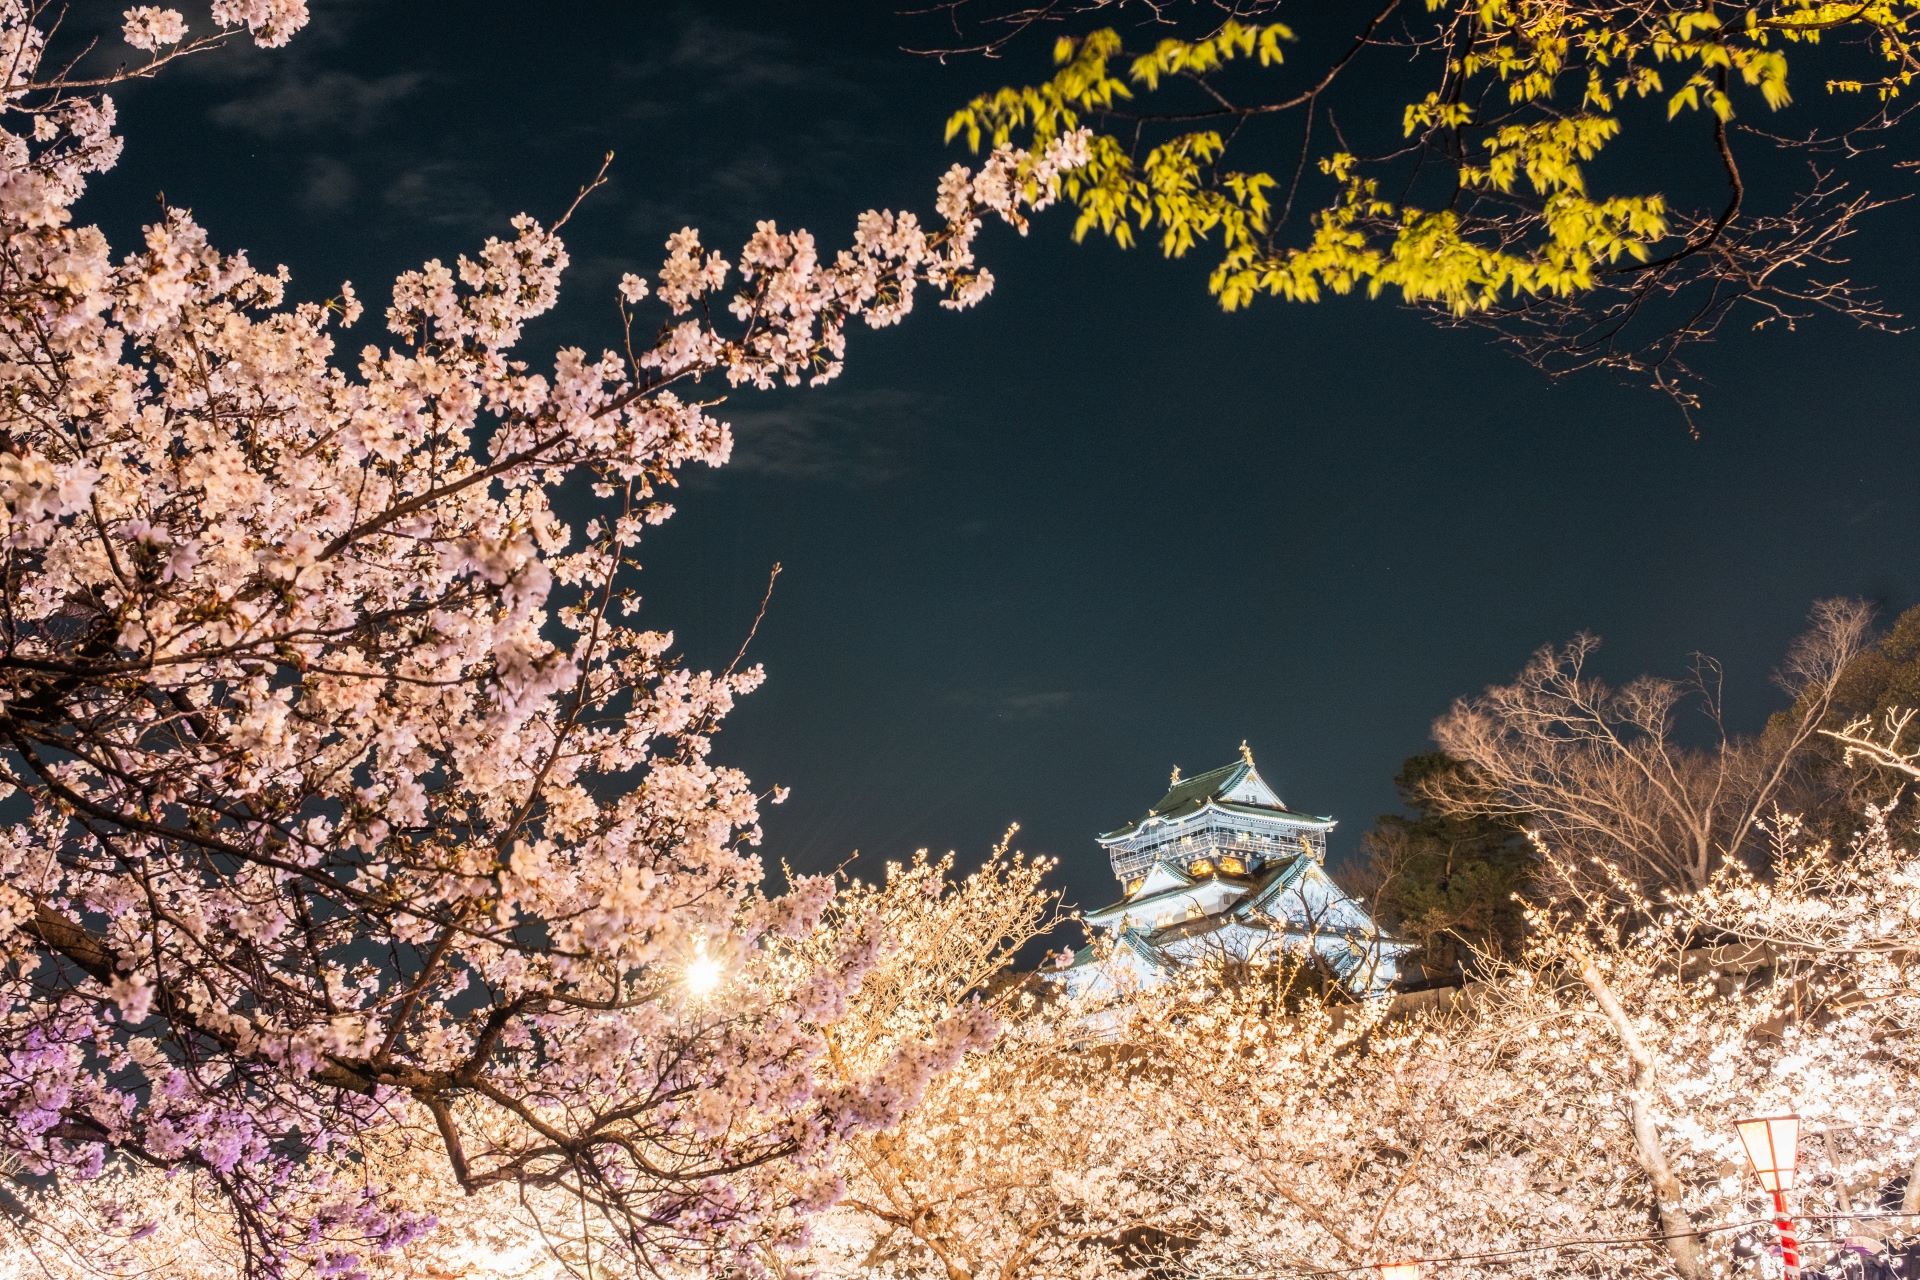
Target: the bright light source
(703, 974)
(1771, 1142)
(1399, 1271)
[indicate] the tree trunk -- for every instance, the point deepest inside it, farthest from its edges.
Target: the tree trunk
(1677, 1229)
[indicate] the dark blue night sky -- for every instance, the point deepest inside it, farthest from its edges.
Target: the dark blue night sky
(1038, 553)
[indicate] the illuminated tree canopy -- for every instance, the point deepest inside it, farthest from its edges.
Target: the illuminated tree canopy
(1602, 183)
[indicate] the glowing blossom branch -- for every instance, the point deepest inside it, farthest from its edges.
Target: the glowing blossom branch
(345, 802)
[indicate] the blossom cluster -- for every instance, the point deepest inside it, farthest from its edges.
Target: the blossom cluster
(343, 801)
(1573, 1114)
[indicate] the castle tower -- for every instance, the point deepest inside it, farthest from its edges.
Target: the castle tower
(1221, 868)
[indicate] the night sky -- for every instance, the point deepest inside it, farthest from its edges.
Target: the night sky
(1037, 553)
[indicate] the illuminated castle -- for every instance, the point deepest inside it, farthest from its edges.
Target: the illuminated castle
(1221, 869)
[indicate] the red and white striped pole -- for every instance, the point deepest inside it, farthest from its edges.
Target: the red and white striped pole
(1772, 1144)
(1789, 1247)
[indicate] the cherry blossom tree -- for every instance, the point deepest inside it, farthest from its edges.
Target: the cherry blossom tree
(1886, 741)
(140, 1220)
(1571, 1115)
(1575, 1114)
(1038, 1154)
(940, 984)
(345, 800)
(1608, 771)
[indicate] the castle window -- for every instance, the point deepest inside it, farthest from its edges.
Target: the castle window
(1200, 867)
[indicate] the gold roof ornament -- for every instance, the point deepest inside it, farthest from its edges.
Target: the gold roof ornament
(1174, 781)
(1246, 752)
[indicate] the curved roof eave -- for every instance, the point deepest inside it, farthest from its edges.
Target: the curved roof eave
(1135, 827)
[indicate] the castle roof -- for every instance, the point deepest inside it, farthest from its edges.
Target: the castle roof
(1178, 885)
(1234, 788)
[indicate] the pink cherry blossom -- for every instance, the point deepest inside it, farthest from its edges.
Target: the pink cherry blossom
(151, 27)
(358, 840)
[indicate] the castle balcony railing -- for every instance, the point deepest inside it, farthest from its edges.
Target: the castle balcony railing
(1249, 839)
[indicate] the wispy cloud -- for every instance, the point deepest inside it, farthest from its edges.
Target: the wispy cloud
(699, 73)
(1016, 703)
(855, 438)
(326, 102)
(329, 185)
(718, 62)
(748, 179)
(441, 193)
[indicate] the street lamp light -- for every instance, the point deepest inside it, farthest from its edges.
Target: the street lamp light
(1399, 1271)
(1771, 1143)
(702, 975)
